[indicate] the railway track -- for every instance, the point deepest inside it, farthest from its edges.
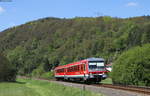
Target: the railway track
(143, 90)
(137, 89)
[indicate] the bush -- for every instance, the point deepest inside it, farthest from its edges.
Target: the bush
(7, 71)
(40, 73)
(48, 75)
(37, 72)
(133, 67)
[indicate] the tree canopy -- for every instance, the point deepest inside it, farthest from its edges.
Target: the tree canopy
(133, 67)
(46, 43)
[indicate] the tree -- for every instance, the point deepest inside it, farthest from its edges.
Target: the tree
(50, 42)
(133, 67)
(7, 71)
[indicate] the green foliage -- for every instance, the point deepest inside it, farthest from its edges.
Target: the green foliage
(27, 87)
(133, 67)
(7, 71)
(107, 81)
(43, 44)
(38, 72)
(48, 75)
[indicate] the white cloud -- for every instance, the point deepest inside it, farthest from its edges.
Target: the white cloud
(132, 4)
(12, 24)
(2, 9)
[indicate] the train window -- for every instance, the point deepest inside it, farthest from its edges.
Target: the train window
(100, 64)
(82, 67)
(75, 68)
(68, 69)
(78, 67)
(60, 70)
(71, 69)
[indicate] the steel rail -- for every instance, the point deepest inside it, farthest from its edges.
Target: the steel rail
(143, 90)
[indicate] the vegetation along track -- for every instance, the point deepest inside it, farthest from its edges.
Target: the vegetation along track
(143, 90)
(137, 89)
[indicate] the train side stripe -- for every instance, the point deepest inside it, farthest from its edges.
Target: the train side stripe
(71, 75)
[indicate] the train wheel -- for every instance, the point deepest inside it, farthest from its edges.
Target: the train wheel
(87, 82)
(57, 79)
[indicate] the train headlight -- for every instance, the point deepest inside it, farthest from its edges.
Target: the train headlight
(104, 75)
(91, 75)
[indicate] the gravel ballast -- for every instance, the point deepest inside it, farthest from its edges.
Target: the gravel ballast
(102, 90)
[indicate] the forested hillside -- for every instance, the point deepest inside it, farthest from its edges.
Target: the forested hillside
(38, 46)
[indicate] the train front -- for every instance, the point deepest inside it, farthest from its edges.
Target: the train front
(96, 69)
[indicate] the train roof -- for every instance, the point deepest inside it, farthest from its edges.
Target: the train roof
(74, 63)
(95, 59)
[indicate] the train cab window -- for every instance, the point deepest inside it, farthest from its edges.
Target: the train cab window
(96, 65)
(92, 65)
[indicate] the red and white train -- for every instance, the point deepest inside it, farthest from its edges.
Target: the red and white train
(88, 70)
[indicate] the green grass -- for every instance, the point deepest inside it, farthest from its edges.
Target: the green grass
(27, 87)
(107, 81)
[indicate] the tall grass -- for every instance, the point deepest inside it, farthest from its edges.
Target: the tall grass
(107, 81)
(28, 87)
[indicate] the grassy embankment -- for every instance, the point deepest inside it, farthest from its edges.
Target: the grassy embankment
(28, 87)
(107, 81)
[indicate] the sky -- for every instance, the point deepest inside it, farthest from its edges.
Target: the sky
(16, 12)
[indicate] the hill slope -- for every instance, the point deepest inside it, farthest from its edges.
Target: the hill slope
(39, 46)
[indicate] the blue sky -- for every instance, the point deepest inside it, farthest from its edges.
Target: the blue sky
(21, 11)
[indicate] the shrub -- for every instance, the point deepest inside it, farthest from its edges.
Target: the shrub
(48, 75)
(133, 67)
(37, 72)
(40, 73)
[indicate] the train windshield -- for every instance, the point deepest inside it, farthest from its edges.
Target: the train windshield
(96, 66)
